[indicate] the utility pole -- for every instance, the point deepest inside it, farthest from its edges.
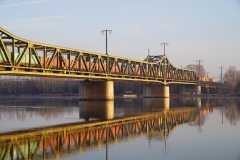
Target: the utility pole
(221, 73)
(148, 55)
(199, 61)
(163, 44)
(107, 31)
(207, 74)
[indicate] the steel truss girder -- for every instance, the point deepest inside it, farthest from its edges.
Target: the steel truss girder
(24, 55)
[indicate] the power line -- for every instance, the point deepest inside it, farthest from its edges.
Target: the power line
(72, 25)
(45, 35)
(40, 12)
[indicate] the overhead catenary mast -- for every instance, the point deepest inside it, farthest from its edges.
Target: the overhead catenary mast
(221, 73)
(163, 44)
(106, 31)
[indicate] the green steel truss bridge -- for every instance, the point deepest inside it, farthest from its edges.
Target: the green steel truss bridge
(22, 57)
(59, 141)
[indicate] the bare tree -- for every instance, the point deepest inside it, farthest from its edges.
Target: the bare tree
(231, 77)
(237, 88)
(59, 84)
(9, 85)
(2, 83)
(43, 84)
(231, 114)
(200, 70)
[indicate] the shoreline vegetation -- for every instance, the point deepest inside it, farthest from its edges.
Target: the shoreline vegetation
(76, 96)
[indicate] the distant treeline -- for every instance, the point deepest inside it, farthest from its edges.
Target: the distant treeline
(32, 85)
(10, 85)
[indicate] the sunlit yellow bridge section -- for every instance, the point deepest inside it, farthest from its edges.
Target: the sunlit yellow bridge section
(23, 57)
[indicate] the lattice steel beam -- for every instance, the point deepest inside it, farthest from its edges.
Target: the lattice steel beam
(37, 59)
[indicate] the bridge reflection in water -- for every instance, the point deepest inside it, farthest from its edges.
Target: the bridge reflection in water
(64, 140)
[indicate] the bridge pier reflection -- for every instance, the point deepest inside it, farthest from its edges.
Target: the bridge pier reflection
(156, 91)
(157, 103)
(199, 102)
(96, 109)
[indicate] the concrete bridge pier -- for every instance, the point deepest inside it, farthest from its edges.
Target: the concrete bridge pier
(156, 91)
(198, 88)
(96, 90)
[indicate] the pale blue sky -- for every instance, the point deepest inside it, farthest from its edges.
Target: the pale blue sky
(207, 30)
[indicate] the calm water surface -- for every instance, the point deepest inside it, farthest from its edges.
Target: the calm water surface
(171, 129)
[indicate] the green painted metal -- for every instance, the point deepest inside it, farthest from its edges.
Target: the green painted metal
(2, 56)
(2, 152)
(17, 57)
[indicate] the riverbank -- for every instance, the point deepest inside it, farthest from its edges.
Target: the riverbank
(75, 96)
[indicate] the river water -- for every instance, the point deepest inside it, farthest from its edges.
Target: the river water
(170, 129)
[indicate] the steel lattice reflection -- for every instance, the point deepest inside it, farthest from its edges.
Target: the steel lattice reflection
(57, 141)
